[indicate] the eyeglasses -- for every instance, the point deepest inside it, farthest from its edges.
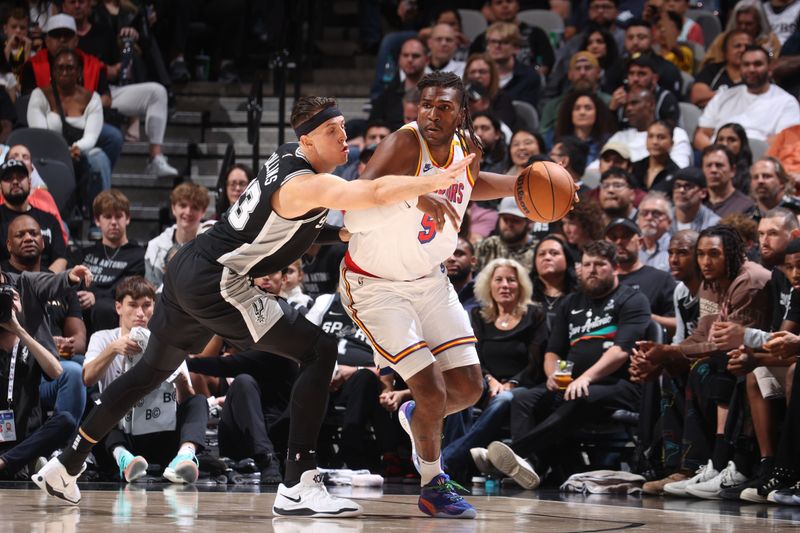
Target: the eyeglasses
(685, 186)
(655, 213)
(496, 42)
(65, 68)
(614, 185)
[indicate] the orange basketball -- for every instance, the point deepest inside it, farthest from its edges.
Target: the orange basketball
(544, 191)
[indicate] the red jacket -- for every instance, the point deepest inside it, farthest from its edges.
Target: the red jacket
(92, 67)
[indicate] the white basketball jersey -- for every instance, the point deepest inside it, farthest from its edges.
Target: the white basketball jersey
(408, 246)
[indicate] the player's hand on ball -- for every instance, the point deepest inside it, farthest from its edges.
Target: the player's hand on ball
(440, 210)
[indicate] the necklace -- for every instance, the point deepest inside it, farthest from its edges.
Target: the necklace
(111, 258)
(550, 301)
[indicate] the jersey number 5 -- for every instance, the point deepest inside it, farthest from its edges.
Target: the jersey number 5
(240, 213)
(428, 230)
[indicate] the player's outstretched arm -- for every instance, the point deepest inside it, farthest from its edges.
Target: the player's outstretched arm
(310, 191)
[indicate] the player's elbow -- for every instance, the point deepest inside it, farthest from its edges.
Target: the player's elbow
(381, 194)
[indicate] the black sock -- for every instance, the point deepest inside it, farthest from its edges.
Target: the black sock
(74, 455)
(297, 463)
(723, 452)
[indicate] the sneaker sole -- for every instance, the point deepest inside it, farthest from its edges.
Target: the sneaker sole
(755, 498)
(692, 491)
(504, 459)
(46, 487)
(429, 509)
(186, 472)
(136, 469)
(311, 513)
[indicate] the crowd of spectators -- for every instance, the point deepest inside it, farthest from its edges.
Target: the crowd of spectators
(671, 288)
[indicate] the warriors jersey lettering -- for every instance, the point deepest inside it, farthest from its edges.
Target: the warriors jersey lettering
(252, 239)
(408, 246)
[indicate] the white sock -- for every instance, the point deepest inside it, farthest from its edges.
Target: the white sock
(430, 470)
(187, 447)
(118, 452)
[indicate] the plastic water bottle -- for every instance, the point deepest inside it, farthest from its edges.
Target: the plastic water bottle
(389, 70)
(126, 63)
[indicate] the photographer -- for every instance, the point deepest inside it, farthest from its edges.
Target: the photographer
(20, 375)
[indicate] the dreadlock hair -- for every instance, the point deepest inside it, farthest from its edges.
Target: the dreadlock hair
(448, 80)
(733, 246)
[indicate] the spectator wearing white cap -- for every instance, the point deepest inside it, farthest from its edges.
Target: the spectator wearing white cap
(513, 239)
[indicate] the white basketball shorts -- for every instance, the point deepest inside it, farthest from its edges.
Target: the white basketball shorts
(410, 324)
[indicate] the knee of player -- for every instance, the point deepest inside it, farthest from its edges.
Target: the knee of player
(324, 350)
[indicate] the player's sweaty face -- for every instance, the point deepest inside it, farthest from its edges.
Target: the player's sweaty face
(439, 114)
(330, 141)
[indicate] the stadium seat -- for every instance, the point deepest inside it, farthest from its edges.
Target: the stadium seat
(758, 148)
(472, 23)
(708, 21)
(527, 115)
(690, 114)
(547, 20)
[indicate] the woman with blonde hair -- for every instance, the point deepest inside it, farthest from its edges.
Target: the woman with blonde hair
(481, 69)
(511, 333)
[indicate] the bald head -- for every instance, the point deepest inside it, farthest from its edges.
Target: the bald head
(25, 243)
(640, 108)
(442, 43)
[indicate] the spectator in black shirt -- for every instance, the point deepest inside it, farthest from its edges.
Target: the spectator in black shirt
(413, 59)
(596, 330)
(111, 259)
(18, 349)
(715, 76)
(656, 284)
(459, 271)
(66, 393)
(553, 274)
(642, 73)
(519, 80)
(15, 184)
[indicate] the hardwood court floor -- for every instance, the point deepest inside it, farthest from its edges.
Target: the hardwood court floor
(164, 508)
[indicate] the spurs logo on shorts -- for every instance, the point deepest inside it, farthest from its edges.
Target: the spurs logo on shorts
(258, 310)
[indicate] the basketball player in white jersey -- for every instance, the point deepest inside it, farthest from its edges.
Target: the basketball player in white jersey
(395, 288)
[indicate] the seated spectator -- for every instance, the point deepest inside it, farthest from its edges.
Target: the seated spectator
(640, 107)
(581, 226)
(768, 184)
(62, 33)
(77, 115)
(39, 196)
(596, 329)
(63, 312)
(617, 194)
(410, 105)
(727, 73)
(782, 16)
(321, 268)
(513, 239)
(584, 116)
(413, 60)
(32, 362)
(534, 50)
(718, 166)
(232, 186)
(656, 284)
(762, 108)
(189, 202)
(688, 194)
(180, 429)
(481, 69)
(511, 333)
(292, 287)
(488, 129)
(443, 47)
(657, 171)
(517, 79)
(584, 74)
(669, 28)
(17, 49)
(553, 274)
(784, 148)
(614, 154)
(355, 386)
(642, 75)
(599, 48)
(460, 266)
(747, 228)
(130, 99)
(785, 70)
(691, 31)
(639, 42)
(15, 186)
(524, 145)
(571, 153)
(747, 16)
(655, 221)
(111, 259)
(734, 138)
(451, 17)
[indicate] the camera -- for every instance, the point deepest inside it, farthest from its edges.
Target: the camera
(6, 302)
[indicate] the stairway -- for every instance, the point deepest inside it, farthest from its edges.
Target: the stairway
(209, 116)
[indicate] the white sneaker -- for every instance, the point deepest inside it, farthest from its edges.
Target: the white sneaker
(678, 488)
(480, 456)
(54, 479)
(509, 463)
(711, 489)
(159, 167)
(310, 498)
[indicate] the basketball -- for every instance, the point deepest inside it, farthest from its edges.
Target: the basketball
(544, 191)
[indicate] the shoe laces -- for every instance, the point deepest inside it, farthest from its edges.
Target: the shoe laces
(450, 490)
(728, 474)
